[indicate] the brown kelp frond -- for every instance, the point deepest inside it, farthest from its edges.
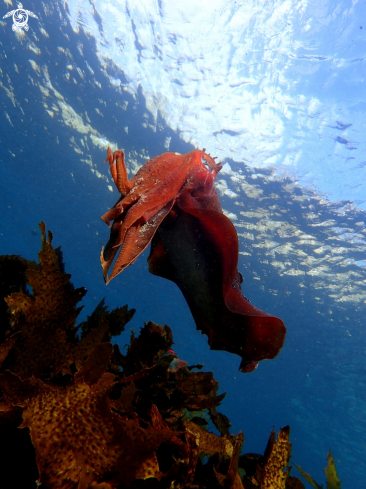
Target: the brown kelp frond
(43, 320)
(330, 470)
(12, 279)
(270, 471)
(91, 417)
(333, 481)
(116, 320)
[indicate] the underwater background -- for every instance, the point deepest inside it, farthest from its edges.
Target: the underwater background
(276, 91)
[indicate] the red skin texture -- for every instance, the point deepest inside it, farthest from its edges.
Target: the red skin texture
(172, 202)
(148, 198)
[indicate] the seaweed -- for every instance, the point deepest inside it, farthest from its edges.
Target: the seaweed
(75, 412)
(330, 470)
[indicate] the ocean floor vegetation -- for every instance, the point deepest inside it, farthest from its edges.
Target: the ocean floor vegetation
(76, 412)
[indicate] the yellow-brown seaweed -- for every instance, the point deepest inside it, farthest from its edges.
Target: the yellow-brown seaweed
(83, 415)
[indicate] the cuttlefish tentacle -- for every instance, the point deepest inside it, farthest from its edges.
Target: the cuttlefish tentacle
(124, 185)
(147, 206)
(135, 242)
(119, 171)
(147, 198)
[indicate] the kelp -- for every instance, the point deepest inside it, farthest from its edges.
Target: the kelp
(330, 470)
(333, 481)
(308, 477)
(271, 471)
(75, 412)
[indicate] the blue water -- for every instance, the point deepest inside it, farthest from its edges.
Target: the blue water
(302, 255)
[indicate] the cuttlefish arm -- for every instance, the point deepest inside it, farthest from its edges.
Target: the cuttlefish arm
(147, 198)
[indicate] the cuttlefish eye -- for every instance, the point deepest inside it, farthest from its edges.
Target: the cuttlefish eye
(207, 164)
